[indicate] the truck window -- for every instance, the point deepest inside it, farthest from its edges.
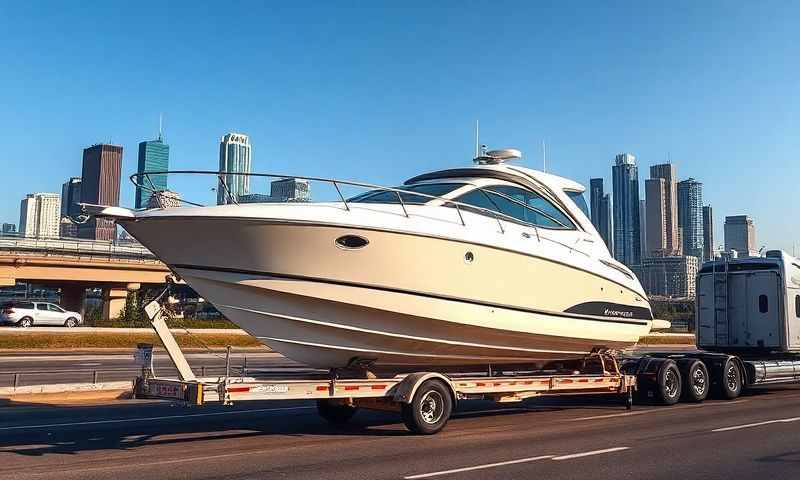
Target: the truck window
(763, 304)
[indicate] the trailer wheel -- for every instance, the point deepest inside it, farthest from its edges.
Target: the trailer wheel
(695, 380)
(669, 383)
(729, 382)
(335, 413)
(430, 408)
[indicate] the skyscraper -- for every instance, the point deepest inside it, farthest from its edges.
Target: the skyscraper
(656, 195)
(668, 172)
(71, 197)
(627, 248)
(290, 189)
(708, 233)
(153, 157)
(600, 207)
(740, 235)
(606, 222)
(595, 197)
(642, 229)
(690, 216)
(102, 165)
(234, 157)
(39, 215)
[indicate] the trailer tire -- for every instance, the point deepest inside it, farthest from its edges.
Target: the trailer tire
(430, 408)
(696, 382)
(729, 381)
(335, 413)
(669, 383)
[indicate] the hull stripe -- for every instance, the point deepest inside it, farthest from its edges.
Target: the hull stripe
(634, 321)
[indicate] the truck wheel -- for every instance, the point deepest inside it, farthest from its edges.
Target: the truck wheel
(729, 383)
(669, 383)
(430, 408)
(25, 322)
(695, 380)
(335, 413)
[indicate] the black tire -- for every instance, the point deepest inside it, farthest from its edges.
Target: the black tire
(25, 322)
(71, 322)
(669, 383)
(696, 382)
(335, 413)
(430, 408)
(729, 381)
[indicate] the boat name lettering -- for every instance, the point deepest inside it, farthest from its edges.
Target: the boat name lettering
(618, 313)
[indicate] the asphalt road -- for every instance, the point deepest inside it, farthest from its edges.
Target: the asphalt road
(755, 436)
(42, 368)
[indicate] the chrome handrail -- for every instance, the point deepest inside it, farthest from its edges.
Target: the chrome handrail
(336, 182)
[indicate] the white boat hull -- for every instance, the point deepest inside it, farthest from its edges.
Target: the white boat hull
(403, 300)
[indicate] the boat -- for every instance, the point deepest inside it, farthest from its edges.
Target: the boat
(490, 264)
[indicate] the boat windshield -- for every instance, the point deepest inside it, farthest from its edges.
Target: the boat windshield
(577, 197)
(390, 196)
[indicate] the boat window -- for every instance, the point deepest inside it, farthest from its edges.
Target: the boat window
(516, 203)
(390, 196)
(540, 211)
(579, 200)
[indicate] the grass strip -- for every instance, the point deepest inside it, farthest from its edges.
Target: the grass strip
(47, 340)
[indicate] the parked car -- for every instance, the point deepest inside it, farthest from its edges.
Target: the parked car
(27, 314)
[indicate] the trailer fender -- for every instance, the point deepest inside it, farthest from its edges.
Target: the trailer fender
(405, 390)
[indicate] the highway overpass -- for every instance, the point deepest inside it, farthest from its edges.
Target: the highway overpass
(73, 265)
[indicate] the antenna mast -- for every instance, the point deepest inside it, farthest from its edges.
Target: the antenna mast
(544, 157)
(477, 138)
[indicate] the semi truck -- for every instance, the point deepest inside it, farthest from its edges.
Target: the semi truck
(747, 334)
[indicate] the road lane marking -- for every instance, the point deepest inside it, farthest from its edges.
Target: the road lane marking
(758, 424)
(652, 411)
(589, 454)
(477, 467)
(141, 419)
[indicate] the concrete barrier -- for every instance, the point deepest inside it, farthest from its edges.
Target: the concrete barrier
(67, 393)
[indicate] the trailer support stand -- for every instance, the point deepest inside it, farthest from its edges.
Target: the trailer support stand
(156, 315)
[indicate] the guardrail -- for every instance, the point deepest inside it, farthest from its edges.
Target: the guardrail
(76, 248)
(15, 379)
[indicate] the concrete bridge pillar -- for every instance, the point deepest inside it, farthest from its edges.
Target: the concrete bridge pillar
(114, 298)
(73, 298)
(113, 301)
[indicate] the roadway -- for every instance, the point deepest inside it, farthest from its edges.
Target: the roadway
(49, 368)
(555, 438)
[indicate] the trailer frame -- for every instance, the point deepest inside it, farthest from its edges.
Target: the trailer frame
(342, 391)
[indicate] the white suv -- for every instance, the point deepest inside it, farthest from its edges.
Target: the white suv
(27, 314)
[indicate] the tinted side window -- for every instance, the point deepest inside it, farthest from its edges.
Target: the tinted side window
(763, 304)
(479, 199)
(542, 212)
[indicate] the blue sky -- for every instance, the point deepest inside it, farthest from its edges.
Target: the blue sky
(380, 91)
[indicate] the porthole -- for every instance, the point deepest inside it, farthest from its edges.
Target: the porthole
(351, 242)
(469, 257)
